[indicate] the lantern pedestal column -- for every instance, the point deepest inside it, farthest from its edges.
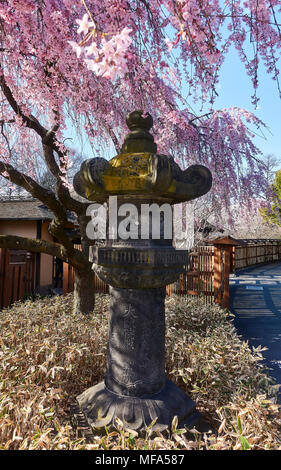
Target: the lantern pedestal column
(138, 266)
(135, 387)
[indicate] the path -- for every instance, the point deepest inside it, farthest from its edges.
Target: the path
(255, 299)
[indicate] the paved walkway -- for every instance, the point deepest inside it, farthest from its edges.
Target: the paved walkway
(255, 299)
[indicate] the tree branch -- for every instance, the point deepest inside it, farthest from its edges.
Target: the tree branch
(30, 121)
(48, 198)
(77, 260)
(63, 192)
(44, 195)
(49, 145)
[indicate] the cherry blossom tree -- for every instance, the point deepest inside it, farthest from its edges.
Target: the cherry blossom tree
(89, 63)
(271, 213)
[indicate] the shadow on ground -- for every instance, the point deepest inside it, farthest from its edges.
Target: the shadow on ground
(255, 300)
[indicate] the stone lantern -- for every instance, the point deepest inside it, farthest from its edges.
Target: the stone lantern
(135, 388)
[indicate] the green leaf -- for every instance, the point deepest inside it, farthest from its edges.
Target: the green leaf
(239, 425)
(244, 443)
(131, 440)
(103, 444)
(174, 424)
(152, 424)
(180, 431)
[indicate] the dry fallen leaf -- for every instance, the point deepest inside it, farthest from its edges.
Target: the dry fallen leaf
(48, 356)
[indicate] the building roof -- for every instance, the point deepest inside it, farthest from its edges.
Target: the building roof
(24, 209)
(226, 240)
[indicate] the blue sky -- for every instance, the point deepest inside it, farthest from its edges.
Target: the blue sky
(235, 89)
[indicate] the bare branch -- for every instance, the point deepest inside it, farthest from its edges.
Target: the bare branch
(49, 145)
(30, 121)
(62, 191)
(48, 198)
(44, 195)
(77, 260)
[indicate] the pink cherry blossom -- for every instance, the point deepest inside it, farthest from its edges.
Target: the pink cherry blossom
(78, 49)
(65, 65)
(109, 59)
(92, 49)
(84, 24)
(170, 44)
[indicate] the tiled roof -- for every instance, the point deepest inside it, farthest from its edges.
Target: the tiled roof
(30, 209)
(20, 209)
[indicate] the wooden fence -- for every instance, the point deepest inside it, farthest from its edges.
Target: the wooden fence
(17, 275)
(198, 278)
(207, 274)
(255, 252)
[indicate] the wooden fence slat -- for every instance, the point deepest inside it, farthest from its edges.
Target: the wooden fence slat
(256, 253)
(7, 280)
(16, 275)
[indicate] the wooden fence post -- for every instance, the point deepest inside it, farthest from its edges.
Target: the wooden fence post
(222, 264)
(65, 284)
(7, 278)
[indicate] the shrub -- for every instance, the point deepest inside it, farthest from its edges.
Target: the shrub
(48, 356)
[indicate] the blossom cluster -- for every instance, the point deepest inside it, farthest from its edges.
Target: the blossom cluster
(136, 55)
(106, 57)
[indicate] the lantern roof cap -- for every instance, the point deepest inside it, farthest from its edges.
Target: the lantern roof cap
(139, 139)
(139, 171)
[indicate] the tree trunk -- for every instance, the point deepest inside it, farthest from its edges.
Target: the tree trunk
(84, 292)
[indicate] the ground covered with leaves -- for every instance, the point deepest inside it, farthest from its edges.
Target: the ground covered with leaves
(48, 356)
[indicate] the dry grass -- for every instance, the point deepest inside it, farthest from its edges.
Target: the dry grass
(48, 356)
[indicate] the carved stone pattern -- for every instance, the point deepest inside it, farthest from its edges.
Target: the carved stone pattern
(136, 348)
(127, 256)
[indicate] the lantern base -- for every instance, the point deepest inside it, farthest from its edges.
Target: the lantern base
(101, 407)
